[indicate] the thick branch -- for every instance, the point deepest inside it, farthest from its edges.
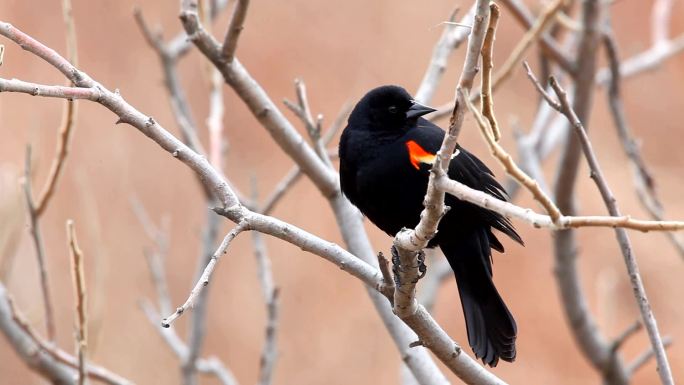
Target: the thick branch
(261, 106)
(408, 243)
(43, 356)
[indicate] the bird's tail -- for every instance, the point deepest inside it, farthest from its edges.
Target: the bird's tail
(491, 327)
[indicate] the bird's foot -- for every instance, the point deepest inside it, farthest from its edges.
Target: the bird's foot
(397, 270)
(396, 267)
(422, 267)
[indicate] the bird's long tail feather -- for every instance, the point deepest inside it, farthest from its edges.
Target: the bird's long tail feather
(491, 327)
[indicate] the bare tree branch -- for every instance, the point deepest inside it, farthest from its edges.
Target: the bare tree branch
(535, 31)
(27, 348)
(281, 188)
(80, 295)
(295, 172)
(511, 168)
(548, 44)
(643, 180)
(630, 260)
(624, 336)
(197, 325)
(452, 37)
(40, 249)
(210, 365)
(662, 47)
(43, 356)
(538, 220)
(179, 103)
(260, 104)
(643, 358)
(206, 274)
(68, 118)
(313, 128)
(428, 332)
(326, 181)
(269, 352)
(409, 243)
(188, 354)
(591, 341)
(234, 30)
(487, 99)
(215, 121)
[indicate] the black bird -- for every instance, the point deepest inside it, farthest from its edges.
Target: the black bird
(386, 152)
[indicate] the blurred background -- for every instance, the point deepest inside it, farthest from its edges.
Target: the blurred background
(328, 332)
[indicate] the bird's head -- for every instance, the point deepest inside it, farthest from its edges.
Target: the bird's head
(387, 109)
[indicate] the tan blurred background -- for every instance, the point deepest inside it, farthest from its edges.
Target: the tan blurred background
(329, 332)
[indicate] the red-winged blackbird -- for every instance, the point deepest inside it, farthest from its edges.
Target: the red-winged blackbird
(386, 152)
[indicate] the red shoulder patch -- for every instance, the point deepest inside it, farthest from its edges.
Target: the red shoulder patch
(418, 155)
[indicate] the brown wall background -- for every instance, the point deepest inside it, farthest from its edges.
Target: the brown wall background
(328, 332)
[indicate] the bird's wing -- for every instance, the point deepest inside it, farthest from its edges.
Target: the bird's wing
(471, 171)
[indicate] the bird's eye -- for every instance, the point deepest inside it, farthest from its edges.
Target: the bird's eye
(393, 109)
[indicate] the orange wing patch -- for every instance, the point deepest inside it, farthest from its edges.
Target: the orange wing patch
(418, 155)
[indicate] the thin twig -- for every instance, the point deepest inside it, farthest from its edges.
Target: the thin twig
(644, 357)
(155, 259)
(548, 44)
(487, 100)
(188, 354)
(206, 274)
(625, 246)
(234, 30)
(209, 365)
(179, 103)
(643, 180)
(512, 168)
(313, 127)
(383, 264)
(547, 97)
(40, 250)
(620, 340)
(452, 37)
(68, 119)
(269, 352)
(281, 188)
(295, 172)
(528, 160)
(169, 55)
(198, 319)
(541, 24)
(215, 121)
(80, 294)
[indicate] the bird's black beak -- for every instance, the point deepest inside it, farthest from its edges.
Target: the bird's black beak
(417, 110)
